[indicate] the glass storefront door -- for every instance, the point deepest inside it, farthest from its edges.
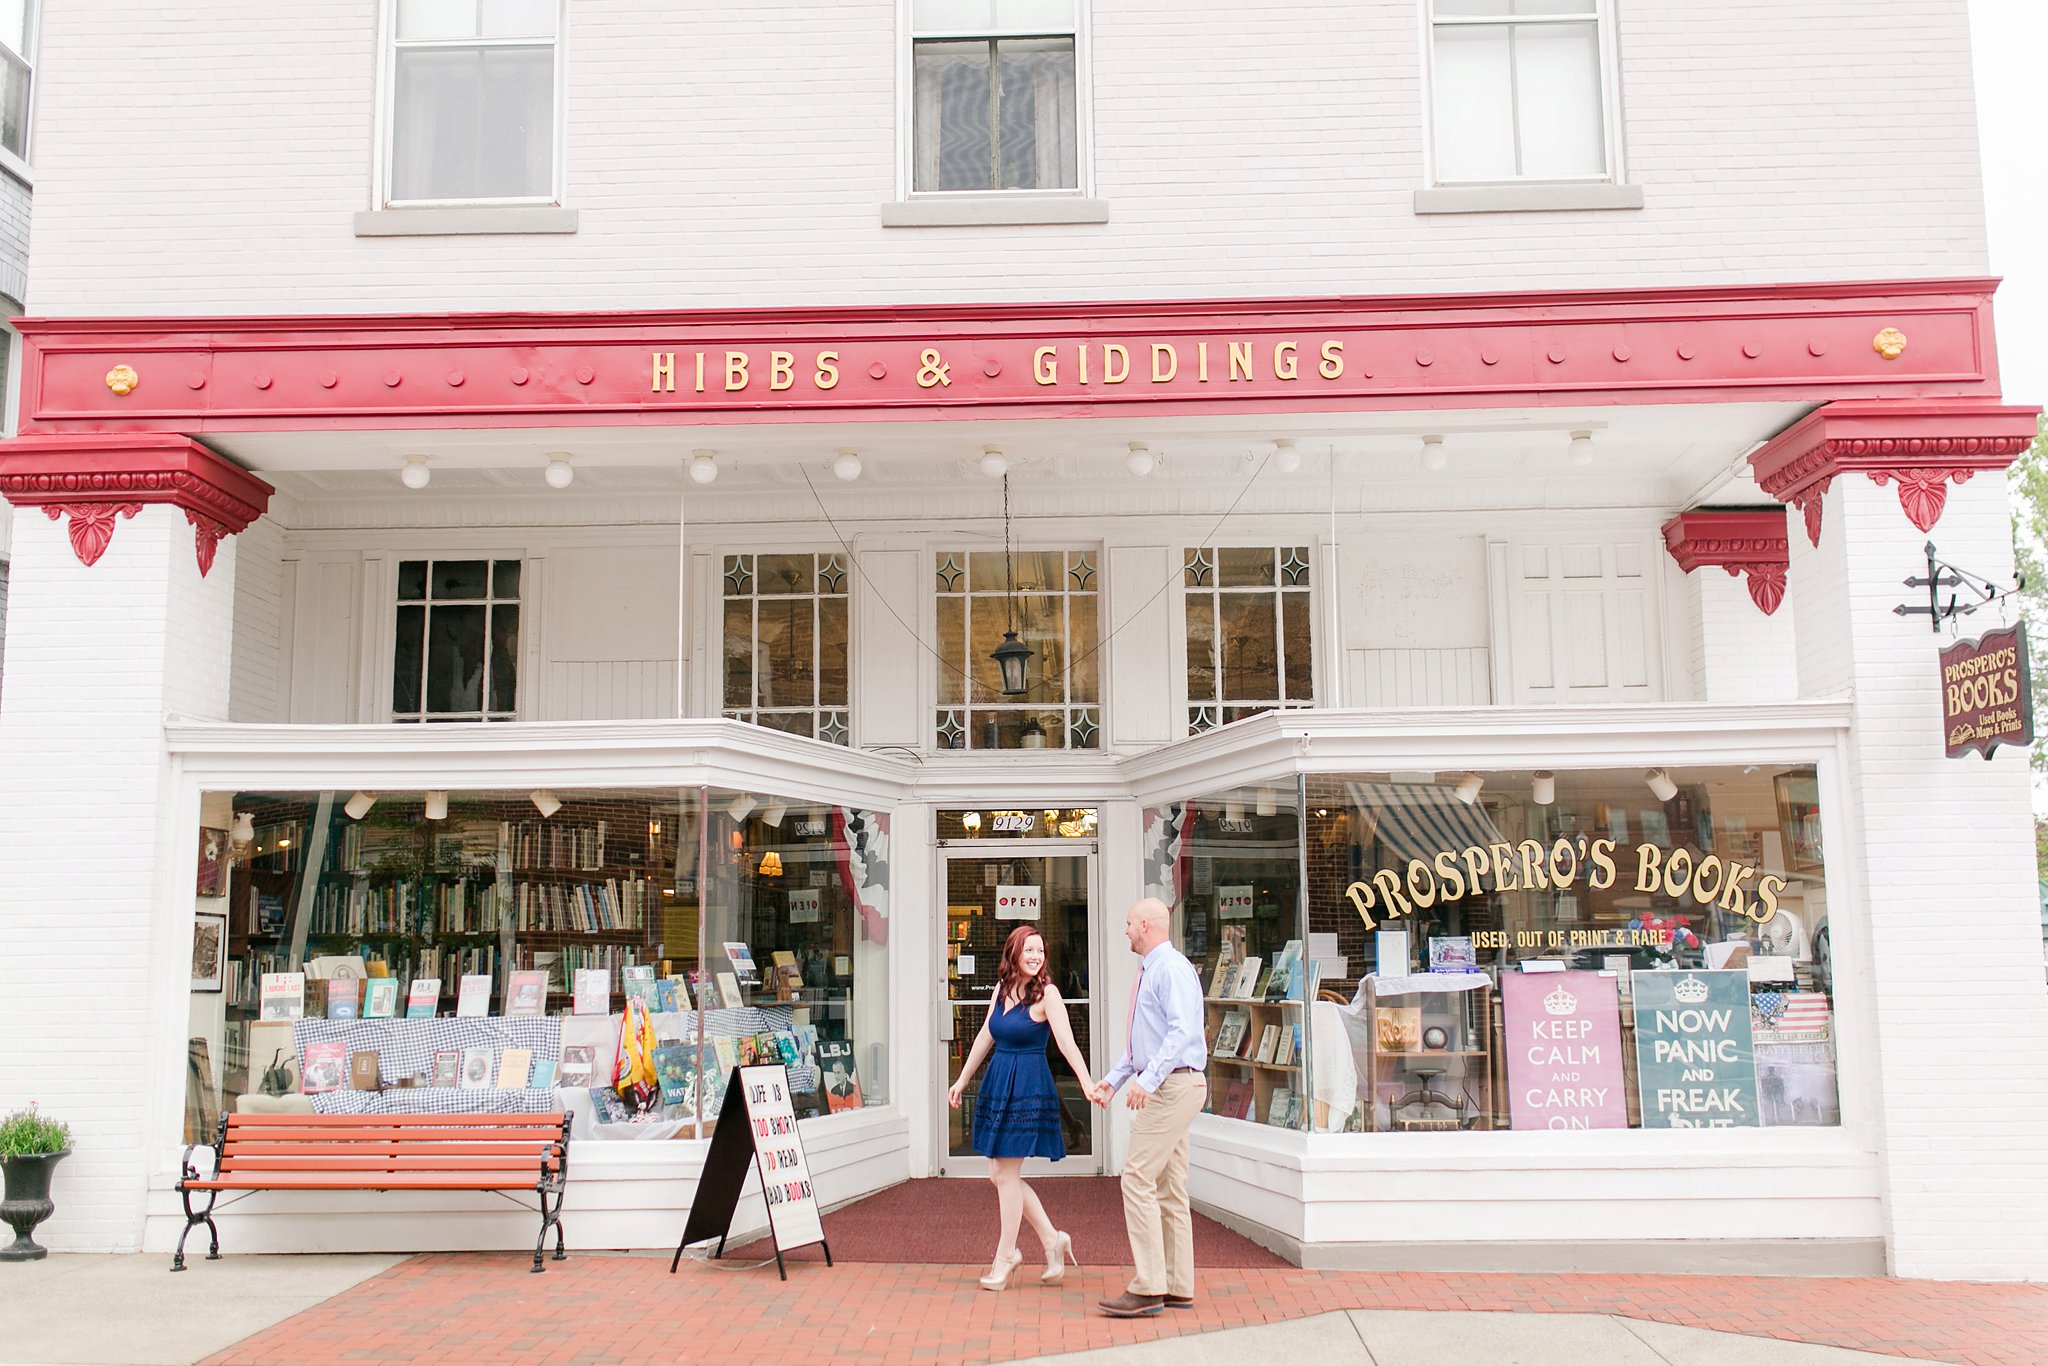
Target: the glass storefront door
(989, 892)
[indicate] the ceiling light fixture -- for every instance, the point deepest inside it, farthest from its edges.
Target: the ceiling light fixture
(1013, 654)
(993, 464)
(1661, 786)
(1286, 459)
(1433, 457)
(359, 805)
(773, 813)
(242, 830)
(703, 466)
(742, 806)
(437, 806)
(1544, 789)
(560, 473)
(1233, 810)
(545, 802)
(1141, 461)
(415, 475)
(847, 466)
(1468, 788)
(1581, 449)
(1264, 802)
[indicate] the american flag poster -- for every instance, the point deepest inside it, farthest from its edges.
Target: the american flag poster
(1790, 1014)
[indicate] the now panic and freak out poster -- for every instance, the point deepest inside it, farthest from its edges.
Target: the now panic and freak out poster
(1695, 1056)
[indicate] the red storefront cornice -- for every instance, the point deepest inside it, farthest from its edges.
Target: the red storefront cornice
(99, 480)
(1803, 342)
(1743, 541)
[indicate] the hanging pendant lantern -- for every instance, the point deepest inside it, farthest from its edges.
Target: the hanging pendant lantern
(1013, 654)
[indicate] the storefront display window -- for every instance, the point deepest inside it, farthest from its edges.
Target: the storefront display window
(1514, 950)
(614, 952)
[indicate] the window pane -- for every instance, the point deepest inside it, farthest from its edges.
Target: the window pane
(1038, 114)
(436, 19)
(519, 18)
(458, 579)
(412, 580)
(14, 83)
(1251, 665)
(1201, 647)
(1475, 122)
(991, 16)
(1295, 625)
(786, 661)
(950, 123)
(789, 722)
(1245, 568)
(1557, 100)
(952, 650)
(1514, 7)
(505, 579)
(739, 652)
(474, 123)
(455, 659)
(1082, 672)
(784, 574)
(1037, 571)
(832, 652)
(504, 658)
(405, 658)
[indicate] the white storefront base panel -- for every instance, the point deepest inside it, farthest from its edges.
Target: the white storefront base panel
(1775, 1201)
(621, 1195)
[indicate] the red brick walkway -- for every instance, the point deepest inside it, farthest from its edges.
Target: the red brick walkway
(593, 1308)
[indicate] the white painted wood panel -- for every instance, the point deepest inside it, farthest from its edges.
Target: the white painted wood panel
(1142, 671)
(890, 663)
(1420, 678)
(1583, 622)
(324, 641)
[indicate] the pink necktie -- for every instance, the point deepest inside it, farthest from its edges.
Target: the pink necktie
(1131, 1025)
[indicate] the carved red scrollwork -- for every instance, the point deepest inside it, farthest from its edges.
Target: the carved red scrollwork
(98, 480)
(1925, 446)
(92, 526)
(1747, 542)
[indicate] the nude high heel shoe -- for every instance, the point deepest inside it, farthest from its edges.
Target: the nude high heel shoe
(1001, 1270)
(1062, 1257)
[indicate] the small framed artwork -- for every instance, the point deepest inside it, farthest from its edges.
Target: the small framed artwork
(1799, 821)
(213, 861)
(209, 951)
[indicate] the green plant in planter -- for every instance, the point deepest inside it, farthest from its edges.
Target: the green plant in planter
(28, 1133)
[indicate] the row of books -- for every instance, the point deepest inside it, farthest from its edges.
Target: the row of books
(1252, 979)
(554, 844)
(454, 907)
(1240, 1101)
(472, 1069)
(614, 904)
(1278, 1044)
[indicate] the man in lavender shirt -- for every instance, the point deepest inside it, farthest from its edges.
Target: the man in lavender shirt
(1164, 1062)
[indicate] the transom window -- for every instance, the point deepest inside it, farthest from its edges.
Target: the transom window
(1519, 90)
(785, 643)
(1056, 616)
(457, 653)
(1248, 615)
(994, 88)
(473, 101)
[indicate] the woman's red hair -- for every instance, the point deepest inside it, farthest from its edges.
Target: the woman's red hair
(1010, 973)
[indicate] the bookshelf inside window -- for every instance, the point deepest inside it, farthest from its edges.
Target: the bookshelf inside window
(1255, 1060)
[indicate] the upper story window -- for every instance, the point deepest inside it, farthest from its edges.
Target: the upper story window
(473, 102)
(1521, 90)
(995, 95)
(1249, 647)
(785, 643)
(456, 657)
(1054, 609)
(17, 22)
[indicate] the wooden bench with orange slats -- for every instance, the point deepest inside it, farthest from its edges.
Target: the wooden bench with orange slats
(467, 1152)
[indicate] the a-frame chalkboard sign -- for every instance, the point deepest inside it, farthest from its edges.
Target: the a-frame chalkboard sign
(757, 1123)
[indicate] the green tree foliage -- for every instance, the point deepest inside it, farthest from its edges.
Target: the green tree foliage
(2029, 480)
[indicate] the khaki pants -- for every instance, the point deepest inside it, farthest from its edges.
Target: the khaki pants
(1156, 1188)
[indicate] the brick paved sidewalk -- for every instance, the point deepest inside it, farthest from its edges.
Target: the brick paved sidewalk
(487, 1309)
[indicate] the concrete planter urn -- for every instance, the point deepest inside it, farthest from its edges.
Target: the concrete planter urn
(27, 1201)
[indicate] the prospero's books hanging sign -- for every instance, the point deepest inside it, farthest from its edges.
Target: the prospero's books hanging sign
(1987, 693)
(1563, 1032)
(757, 1128)
(1695, 1057)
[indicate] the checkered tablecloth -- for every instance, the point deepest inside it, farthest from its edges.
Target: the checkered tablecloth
(406, 1048)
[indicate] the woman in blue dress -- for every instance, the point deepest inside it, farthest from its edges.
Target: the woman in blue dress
(1017, 1109)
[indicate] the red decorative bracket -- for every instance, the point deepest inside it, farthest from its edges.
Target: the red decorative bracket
(97, 480)
(1924, 445)
(1741, 541)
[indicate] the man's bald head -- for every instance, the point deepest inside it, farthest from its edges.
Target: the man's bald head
(1147, 925)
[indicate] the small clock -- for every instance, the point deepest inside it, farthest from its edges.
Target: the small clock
(1435, 1037)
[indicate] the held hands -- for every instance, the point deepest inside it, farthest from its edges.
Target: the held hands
(1100, 1092)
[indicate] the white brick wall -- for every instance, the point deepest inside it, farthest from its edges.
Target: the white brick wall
(1931, 881)
(92, 850)
(256, 693)
(1738, 653)
(1263, 148)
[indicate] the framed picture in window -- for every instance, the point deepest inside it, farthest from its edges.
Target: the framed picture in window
(209, 951)
(1799, 821)
(213, 861)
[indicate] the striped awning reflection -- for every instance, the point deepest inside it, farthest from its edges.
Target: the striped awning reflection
(1420, 820)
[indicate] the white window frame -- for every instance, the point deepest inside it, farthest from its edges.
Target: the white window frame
(1610, 93)
(387, 121)
(1312, 570)
(819, 712)
(522, 664)
(18, 164)
(934, 710)
(906, 109)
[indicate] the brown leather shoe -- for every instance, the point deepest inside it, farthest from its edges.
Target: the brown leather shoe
(1129, 1306)
(1180, 1301)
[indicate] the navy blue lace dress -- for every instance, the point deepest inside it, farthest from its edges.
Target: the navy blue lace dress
(1017, 1110)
